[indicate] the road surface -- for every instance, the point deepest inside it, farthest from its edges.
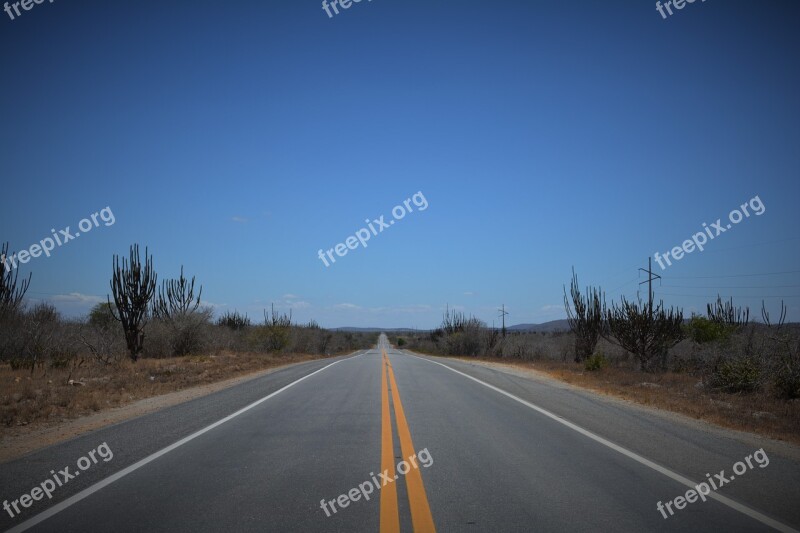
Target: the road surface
(385, 440)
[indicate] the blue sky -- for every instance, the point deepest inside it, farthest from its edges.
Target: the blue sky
(239, 138)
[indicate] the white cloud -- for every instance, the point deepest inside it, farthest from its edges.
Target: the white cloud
(551, 308)
(420, 308)
(346, 306)
(77, 298)
(240, 220)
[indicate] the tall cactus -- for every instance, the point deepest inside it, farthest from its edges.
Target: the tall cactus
(176, 299)
(133, 288)
(646, 332)
(726, 314)
(586, 320)
(11, 291)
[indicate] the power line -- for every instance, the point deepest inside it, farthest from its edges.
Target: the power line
(743, 297)
(737, 275)
(623, 285)
(749, 245)
(619, 273)
(730, 287)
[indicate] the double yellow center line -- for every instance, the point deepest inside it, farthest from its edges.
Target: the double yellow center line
(421, 517)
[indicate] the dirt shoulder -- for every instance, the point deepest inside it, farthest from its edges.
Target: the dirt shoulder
(750, 416)
(45, 410)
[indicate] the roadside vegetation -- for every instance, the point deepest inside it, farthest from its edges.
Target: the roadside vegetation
(721, 367)
(146, 340)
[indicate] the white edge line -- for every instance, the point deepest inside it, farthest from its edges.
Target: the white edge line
(752, 513)
(44, 515)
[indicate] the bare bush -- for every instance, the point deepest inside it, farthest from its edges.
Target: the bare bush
(159, 340)
(190, 332)
(46, 341)
(310, 339)
(784, 347)
(12, 334)
(234, 320)
(462, 335)
(468, 340)
(177, 307)
(40, 326)
(274, 335)
(739, 374)
(102, 336)
(786, 374)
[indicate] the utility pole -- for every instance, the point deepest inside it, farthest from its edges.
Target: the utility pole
(650, 277)
(503, 314)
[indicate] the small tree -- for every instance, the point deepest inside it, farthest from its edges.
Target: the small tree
(645, 332)
(586, 320)
(133, 287)
(102, 316)
(703, 330)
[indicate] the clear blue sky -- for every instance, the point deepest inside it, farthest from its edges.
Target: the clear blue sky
(239, 138)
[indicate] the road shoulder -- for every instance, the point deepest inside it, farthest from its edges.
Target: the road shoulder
(753, 440)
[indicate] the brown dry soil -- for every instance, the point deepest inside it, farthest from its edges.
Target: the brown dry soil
(755, 413)
(42, 409)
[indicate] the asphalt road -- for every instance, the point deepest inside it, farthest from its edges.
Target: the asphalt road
(433, 443)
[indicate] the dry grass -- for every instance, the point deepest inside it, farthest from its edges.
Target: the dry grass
(46, 398)
(758, 413)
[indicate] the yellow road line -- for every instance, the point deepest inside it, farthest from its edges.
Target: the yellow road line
(421, 516)
(390, 516)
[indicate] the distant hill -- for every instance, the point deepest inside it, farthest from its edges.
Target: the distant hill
(553, 325)
(547, 327)
(376, 330)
